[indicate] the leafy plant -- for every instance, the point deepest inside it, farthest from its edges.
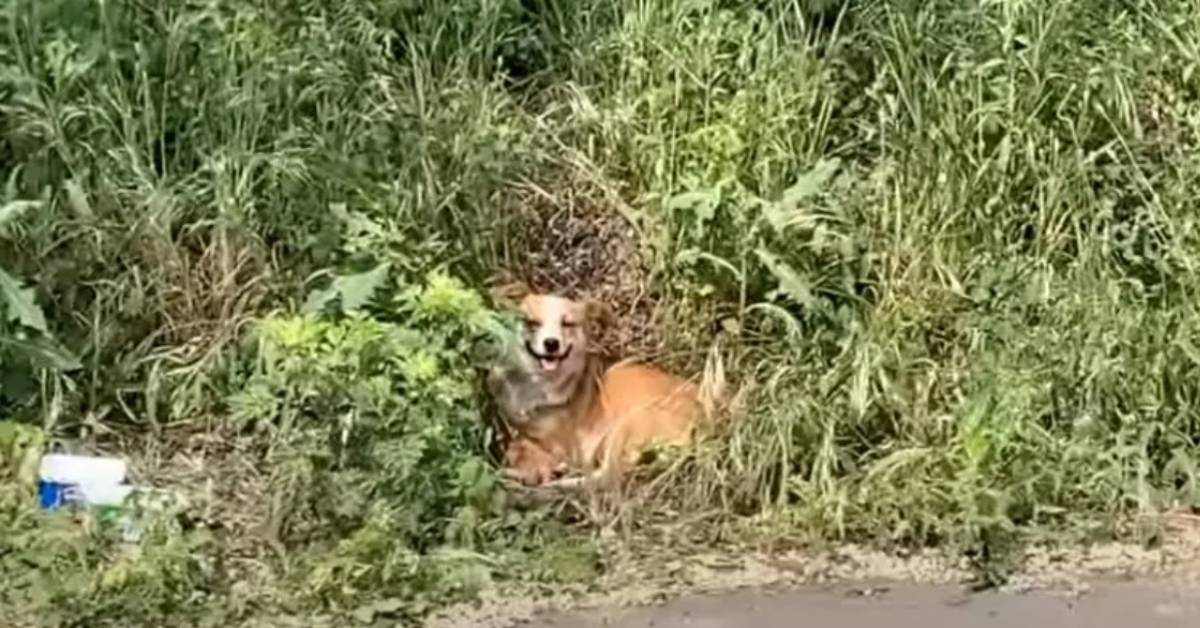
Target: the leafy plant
(374, 437)
(751, 245)
(26, 344)
(62, 568)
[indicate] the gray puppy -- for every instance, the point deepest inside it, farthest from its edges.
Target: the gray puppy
(516, 382)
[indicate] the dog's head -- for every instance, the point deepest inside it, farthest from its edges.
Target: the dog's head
(558, 332)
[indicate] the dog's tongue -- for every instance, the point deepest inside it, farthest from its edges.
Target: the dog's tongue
(549, 365)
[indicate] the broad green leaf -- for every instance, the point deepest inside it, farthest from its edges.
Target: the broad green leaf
(356, 290)
(784, 213)
(19, 303)
(318, 299)
(42, 352)
(702, 203)
(790, 282)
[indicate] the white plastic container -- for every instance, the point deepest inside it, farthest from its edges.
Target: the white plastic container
(68, 469)
(105, 494)
(66, 479)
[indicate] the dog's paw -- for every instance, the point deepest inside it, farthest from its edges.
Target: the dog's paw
(531, 465)
(526, 477)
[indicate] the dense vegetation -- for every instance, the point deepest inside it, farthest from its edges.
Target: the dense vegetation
(943, 255)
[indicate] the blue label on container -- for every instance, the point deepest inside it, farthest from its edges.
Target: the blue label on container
(52, 495)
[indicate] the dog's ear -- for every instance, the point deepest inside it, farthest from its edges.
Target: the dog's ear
(599, 316)
(508, 295)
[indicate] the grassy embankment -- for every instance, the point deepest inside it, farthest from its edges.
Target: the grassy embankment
(943, 252)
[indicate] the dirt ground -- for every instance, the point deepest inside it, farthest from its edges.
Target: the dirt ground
(1107, 586)
(1157, 604)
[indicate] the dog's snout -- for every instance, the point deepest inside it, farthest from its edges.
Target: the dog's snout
(551, 345)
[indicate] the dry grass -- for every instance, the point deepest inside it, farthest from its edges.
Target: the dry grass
(573, 239)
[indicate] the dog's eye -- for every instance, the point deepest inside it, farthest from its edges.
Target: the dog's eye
(531, 324)
(569, 324)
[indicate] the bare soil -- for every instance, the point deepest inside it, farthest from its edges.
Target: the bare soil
(1112, 585)
(1158, 604)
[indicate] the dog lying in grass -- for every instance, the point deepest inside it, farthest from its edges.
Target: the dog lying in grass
(565, 411)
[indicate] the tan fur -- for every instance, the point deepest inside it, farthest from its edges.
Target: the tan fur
(592, 419)
(639, 406)
(528, 463)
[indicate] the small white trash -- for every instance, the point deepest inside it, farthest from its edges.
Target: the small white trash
(66, 479)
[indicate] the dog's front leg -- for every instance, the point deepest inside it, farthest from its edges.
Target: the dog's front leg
(530, 464)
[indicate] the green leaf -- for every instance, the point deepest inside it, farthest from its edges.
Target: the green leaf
(790, 281)
(318, 299)
(20, 304)
(703, 204)
(42, 352)
(785, 212)
(356, 290)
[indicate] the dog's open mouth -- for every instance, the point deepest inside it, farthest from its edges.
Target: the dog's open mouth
(549, 362)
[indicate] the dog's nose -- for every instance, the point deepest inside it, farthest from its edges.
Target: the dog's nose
(550, 345)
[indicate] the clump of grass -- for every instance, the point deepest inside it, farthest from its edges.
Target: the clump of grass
(921, 222)
(1005, 261)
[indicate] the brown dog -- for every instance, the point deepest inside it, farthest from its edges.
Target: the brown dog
(566, 411)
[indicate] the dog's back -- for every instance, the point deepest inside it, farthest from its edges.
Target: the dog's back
(638, 407)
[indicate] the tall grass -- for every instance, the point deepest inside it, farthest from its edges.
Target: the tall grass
(950, 246)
